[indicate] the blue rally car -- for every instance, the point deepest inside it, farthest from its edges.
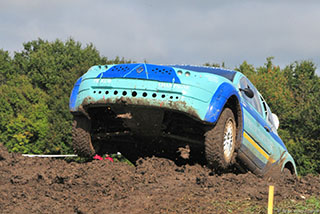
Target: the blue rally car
(218, 108)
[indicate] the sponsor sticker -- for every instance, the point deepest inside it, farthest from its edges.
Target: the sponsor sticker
(171, 85)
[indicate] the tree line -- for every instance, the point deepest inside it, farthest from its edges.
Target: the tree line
(35, 85)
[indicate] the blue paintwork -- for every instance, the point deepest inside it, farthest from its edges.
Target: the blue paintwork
(219, 99)
(74, 93)
(257, 133)
(278, 139)
(142, 71)
(204, 90)
(229, 74)
(263, 123)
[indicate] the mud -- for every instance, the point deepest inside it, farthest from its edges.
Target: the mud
(154, 185)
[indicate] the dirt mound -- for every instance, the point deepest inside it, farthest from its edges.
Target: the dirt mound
(155, 185)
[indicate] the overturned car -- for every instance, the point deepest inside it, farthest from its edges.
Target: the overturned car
(217, 108)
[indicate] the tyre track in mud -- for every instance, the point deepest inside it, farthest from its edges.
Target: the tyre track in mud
(154, 185)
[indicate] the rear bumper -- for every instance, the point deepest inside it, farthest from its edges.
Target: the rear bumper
(187, 99)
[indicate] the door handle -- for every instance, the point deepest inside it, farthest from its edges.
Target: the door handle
(267, 128)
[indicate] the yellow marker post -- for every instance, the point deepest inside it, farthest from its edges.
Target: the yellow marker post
(270, 199)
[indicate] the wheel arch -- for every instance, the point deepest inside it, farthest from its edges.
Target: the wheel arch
(289, 165)
(226, 96)
(234, 104)
(74, 94)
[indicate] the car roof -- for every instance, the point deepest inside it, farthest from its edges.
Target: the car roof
(228, 74)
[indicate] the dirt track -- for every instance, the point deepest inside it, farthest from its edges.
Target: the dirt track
(155, 185)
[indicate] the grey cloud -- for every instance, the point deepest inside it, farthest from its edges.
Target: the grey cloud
(192, 32)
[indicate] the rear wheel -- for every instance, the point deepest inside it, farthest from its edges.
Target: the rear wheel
(288, 174)
(81, 137)
(220, 142)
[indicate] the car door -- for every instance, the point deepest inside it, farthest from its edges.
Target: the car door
(278, 147)
(256, 141)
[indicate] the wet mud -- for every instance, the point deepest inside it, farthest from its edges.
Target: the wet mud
(153, 185)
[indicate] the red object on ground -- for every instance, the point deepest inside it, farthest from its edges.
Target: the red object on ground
(97, 157)
(109, 158)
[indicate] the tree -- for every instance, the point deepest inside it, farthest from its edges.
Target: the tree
(23, 116)
(5, 66)
(35, 98)
(217, 65)
(304, 122)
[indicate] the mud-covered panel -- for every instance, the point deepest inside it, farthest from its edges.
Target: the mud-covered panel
(174, 105)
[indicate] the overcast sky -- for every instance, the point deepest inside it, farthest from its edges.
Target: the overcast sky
(172, 31)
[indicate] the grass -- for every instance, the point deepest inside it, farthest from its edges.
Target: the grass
(121, 158)
(310, 205)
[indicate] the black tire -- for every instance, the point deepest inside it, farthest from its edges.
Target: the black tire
(220, 142)
(81, 137)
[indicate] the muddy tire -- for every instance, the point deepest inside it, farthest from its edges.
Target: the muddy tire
(220, 142)
(287, 174)
(81, 137)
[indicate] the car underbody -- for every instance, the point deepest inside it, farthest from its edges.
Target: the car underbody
(113, 121)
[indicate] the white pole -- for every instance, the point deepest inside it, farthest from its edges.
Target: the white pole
(49, 156)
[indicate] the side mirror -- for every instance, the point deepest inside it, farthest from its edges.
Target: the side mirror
(275, 120)
(248, 92)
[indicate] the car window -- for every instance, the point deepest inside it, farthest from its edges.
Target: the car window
(254, 101)
(264, 108)
(268, 114)
(270, 118)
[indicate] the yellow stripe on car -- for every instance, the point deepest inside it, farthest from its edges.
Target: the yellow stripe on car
(258, 147)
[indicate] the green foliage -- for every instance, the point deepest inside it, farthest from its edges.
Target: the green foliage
(5, 66)
(51, 64)
(34, 113)
(304, 122)
(23, 114)
(121, 158)
(246, 69)
(53, 67)
(217, 65)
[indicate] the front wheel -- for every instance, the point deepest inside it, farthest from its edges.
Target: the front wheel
(220, 142)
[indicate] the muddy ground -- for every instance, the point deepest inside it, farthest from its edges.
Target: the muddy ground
(154, 185)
